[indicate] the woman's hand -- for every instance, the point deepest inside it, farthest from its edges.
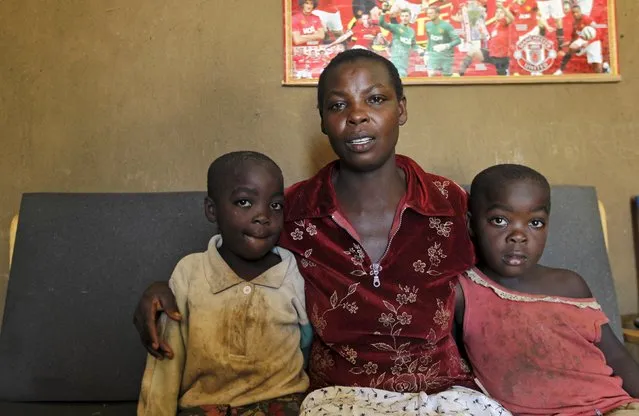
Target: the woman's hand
(157, 298)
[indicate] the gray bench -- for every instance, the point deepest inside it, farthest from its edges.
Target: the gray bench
(81, 261)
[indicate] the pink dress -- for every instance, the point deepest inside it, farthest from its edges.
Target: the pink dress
(536, 354)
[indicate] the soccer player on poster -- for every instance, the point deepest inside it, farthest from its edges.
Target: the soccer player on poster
(403, 40)
(308, 32)
(527, 18)
(442, 40)
(556, 10)
(498, 50)
(308, 29)
(584, 41)
(363, 34)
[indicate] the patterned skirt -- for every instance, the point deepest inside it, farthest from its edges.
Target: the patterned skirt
(356, 401)
(282, 406)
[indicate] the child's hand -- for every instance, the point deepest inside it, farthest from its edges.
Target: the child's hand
(157, 298)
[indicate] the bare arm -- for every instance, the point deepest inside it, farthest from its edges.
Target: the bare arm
(299, 39)
(341, 39)
(619, 359)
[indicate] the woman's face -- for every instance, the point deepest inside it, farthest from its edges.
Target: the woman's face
(362, 114)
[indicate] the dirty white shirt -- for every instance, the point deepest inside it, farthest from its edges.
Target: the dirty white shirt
(238, 342)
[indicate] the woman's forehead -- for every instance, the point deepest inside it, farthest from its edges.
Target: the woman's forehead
(362, 70)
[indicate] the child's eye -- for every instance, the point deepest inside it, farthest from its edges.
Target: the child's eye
(498, 221)
(537, 224)
(243, 203)
(277, 206)
(337, 106)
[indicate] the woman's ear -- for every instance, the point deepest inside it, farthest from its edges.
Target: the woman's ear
(209, 209)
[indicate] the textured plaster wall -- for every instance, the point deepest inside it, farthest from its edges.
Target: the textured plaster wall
(140, 96)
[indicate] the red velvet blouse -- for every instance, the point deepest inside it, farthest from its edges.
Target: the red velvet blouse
(388, 324)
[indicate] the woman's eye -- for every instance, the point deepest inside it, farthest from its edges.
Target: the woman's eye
(337, 106)
(377, 99)
(243, 203)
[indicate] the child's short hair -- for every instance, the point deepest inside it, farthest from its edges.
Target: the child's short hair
(353, 55)
(224, 165)
(497, 176)
(436, 9)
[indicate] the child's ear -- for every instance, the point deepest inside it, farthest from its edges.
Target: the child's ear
(468, 224)
(322, 125)
(209, 209)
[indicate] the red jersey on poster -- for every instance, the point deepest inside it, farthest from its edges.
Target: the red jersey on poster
(525, 16)
(364, 36)
(579, 25)
(306, 24)
(499, 45)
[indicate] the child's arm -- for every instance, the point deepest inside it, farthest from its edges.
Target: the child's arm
(617, 357)
(162, 378)
(458, 323)
(620, 360)
(299, 302)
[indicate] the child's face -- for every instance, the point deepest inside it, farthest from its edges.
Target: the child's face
(511, 227)
(248, 210)
(362, 114)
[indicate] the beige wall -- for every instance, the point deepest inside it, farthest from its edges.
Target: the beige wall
(140, 96)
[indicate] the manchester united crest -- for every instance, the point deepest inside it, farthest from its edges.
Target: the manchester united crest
(535, 53)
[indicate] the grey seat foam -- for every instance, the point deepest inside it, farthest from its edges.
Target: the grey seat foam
(80, 264)
(68, 409)
(576, 242)
(82, 260)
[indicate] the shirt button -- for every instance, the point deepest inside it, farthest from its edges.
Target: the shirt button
(247, 289)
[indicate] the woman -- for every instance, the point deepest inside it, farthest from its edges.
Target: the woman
(379, 243)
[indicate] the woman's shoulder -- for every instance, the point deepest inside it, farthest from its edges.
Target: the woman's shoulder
(310, 197)
(435, 191)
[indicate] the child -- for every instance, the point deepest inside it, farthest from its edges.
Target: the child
(237, 348)
(537, 340)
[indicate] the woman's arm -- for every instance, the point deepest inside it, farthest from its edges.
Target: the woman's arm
(162, 380)
(157, 298)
